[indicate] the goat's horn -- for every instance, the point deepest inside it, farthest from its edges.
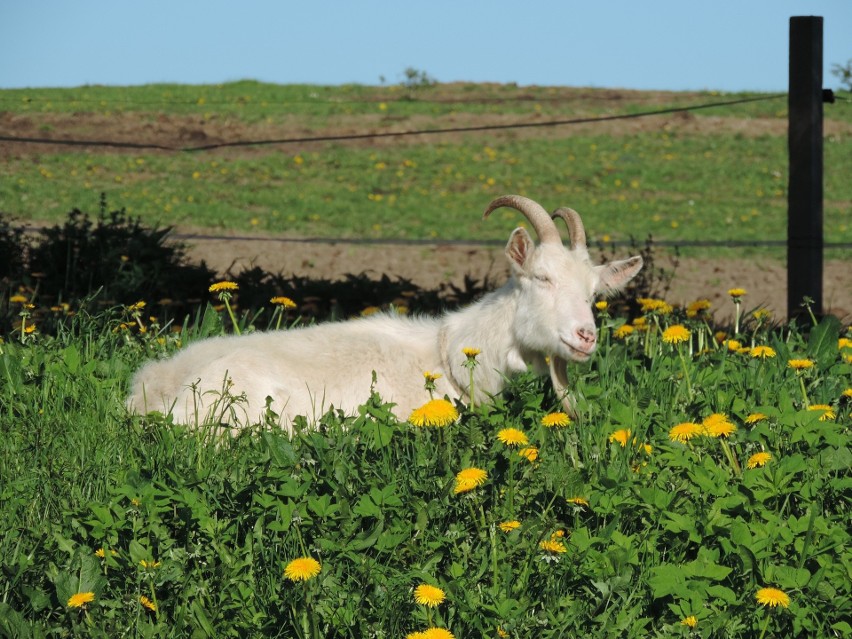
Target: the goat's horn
(535, 213)
(575, 225)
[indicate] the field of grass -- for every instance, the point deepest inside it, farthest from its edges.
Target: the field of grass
(696, 475)
(717, 174)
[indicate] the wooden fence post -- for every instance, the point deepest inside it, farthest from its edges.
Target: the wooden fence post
(804, 196)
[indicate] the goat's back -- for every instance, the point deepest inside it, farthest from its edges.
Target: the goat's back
(304, 371)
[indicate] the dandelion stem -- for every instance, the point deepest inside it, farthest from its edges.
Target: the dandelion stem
(511, 488)
(765, 626)
(233, 319)
(685, 371)
(804, 392)
(494, 575)
(737, 317)
(735, 466)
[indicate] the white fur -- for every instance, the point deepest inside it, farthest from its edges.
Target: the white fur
(541, 317)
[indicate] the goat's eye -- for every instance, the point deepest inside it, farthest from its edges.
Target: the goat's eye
(543, 279)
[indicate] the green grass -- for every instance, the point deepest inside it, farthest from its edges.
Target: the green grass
(251, 102)
(669, 531)
(674, 185)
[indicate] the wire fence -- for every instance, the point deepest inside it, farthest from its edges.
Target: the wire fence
(383, 134)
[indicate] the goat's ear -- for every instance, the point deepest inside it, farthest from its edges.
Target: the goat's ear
(520, 248)
(614, 275)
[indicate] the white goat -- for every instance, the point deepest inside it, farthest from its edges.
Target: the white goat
(539, 319)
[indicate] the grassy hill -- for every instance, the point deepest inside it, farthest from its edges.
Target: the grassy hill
(715, 173)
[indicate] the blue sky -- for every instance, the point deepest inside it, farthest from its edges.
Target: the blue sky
(664, 44)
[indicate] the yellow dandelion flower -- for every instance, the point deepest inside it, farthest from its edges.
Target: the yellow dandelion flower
(553, 546)
(827, 411)
(772, 597)
(138, 306)
(80, 599)
(763, 352)
(529, 453)
(436, 633)
(431, 377)
(697, 307)
(800, 364)
(470, 478)
(435, 412)
(149, 565)
(578, 501)
(652, 305)
(718, 425)
(736, 292)
(509, 526)
(647, 304)
(762, 314)
(302, 569)
(470, 352)
(623, 331)
(513, 437)
(641, 323)
(370, 310)
(427, 595)
(753, 418)
(685, 431)
(502, 633)
(555, 419)
(218, 287)
(602, 305)
(847, 393)
(281, 300)
(147, 603)
(691, 621)
(758, 459)
(843, 342)
(101, 553)
(733, 345)
(676, 334)
(621, 436)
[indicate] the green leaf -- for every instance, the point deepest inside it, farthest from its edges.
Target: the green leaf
(822, 342)
(721, 592)
(280, 450)
(202, 619)
(792, 578)
(71, 357)
(667, 579)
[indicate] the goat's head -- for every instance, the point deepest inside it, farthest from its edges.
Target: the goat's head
(558, 285)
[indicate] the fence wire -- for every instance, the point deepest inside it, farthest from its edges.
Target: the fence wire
(384, 134)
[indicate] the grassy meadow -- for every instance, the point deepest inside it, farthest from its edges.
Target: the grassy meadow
(717, 173)
(702, 489)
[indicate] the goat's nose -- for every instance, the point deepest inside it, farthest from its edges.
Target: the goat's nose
(587, 335)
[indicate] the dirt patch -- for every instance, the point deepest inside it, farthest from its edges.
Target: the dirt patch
(428, 265)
